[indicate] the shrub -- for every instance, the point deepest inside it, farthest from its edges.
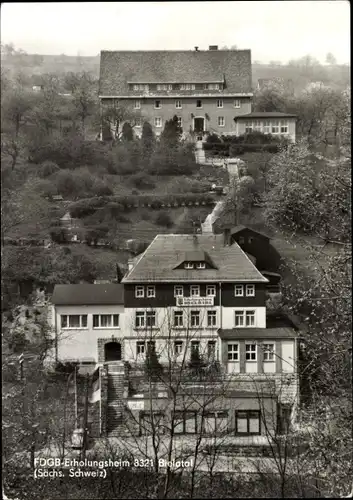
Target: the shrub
(47, 168)
(46, 188)
(172, 161)
(213, 139)
(66, 367)
(17, 342)
(94, 234)
(84, 208)
(219, 147)
(236, 150)
(57, 235)
(153, 367)
(122, 219)
(80, 185)
(163, 219)
(145, 215)
(142, 181)
(196, 363)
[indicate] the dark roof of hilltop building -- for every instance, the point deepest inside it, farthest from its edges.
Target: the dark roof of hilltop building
(158, 262)
(265, 114)
(118, 69)
(240, 227)
(86, 294)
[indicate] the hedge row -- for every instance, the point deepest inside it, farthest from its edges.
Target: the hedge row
(87, 207)
(239, 149)
(215, 146)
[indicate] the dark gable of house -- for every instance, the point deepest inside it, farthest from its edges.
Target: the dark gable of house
(258, 245)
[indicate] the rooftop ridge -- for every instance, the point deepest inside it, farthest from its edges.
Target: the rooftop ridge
(176, 50)
(160, 261)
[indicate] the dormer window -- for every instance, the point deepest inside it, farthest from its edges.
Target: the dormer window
(187, 86)
(164, 87)
(140, 87)
(211, 86)
(195, 259)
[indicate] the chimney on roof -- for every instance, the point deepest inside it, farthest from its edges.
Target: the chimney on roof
(196, 49)
(213, 47)
(119, 274)
(226, 236)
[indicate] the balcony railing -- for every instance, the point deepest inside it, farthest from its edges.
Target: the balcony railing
(194, 301)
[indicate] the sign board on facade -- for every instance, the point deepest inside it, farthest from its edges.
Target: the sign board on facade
(195, 301)
(136, 405)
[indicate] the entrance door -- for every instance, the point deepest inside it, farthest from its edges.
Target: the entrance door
(199, 126)
(112, 351)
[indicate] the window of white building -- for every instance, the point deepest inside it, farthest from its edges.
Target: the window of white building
(195, 318)
(74, 321)
(178, 319)
(275, 127)
(250, 352)
(284, 127)
(211, 319)
(269, 352)
(105, 320)
(233, 352)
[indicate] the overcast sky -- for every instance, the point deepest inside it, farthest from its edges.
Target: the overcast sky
(273, 30)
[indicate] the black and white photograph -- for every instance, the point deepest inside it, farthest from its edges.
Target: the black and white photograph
(176, 252)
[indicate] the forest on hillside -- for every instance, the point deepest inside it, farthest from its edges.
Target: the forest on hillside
(300, 72)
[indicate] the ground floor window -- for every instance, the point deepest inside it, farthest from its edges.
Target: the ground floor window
(141, 347)
(284, 413)
(185, 422)
(178, 347)
(195, 346)
(211, 350)
(151, 423)
(248, 422)
(215, 422)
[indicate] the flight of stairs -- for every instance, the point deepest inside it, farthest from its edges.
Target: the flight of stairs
(199, 153)
(115, 400)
